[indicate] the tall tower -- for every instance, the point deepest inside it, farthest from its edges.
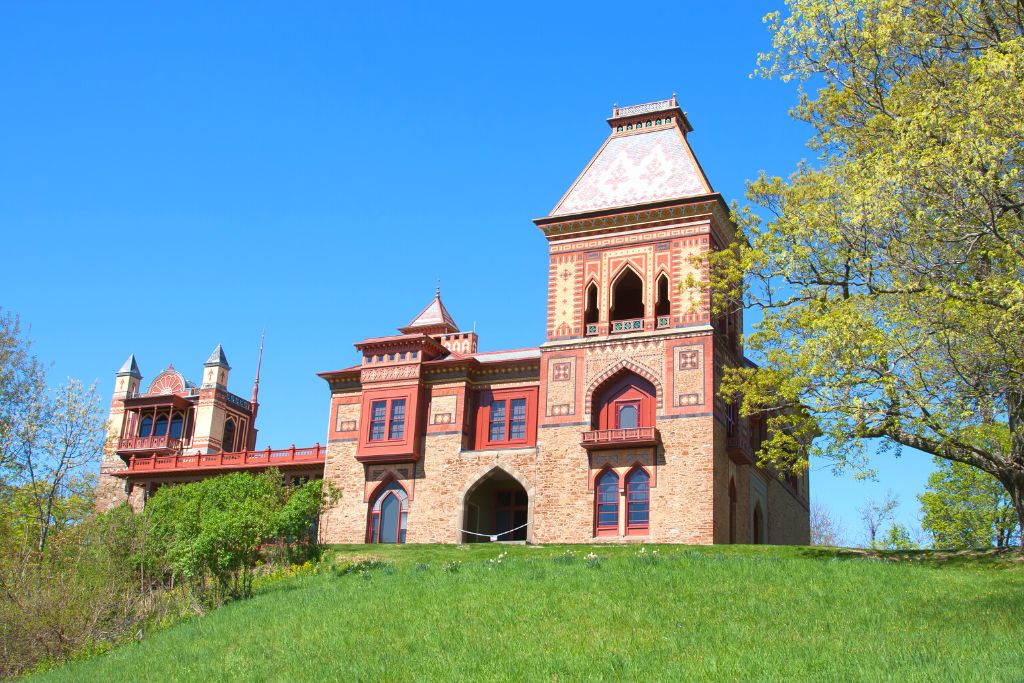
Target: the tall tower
(111, 491)
(627, 370)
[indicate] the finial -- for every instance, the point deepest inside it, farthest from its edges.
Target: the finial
(674, 103)
(259, 366)
(438, 292)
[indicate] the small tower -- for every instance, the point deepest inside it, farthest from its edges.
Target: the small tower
(128, 379)
(216, 369)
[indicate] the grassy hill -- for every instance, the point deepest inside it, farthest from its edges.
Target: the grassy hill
(518, 613)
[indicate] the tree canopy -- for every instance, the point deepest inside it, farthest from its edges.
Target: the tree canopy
(888, 270)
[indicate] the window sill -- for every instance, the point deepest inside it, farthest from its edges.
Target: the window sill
(500, 450)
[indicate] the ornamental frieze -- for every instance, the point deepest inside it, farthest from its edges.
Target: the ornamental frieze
(389, 373)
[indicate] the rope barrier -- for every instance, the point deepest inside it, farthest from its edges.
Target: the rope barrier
(494, 537)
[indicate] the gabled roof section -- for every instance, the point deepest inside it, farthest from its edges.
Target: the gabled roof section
(434, 319)
(646, 159)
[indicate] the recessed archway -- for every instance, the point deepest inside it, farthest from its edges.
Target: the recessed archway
(496, 508)
(627, 299)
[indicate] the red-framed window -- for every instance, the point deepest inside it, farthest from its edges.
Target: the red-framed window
(638, 501)
(389, 514)
(606, 503)
(507, 417)
(381, 425)
(627, 414)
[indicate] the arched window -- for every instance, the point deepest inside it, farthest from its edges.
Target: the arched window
(146, 426)
(590, 313)
(160, 426)
(663, 305)
(624, 402)
(638, 501)
(389, 512)
(758, 524)
(227, 444)
(606, 504)
(627, 297)
(177, 422)
(732, 511)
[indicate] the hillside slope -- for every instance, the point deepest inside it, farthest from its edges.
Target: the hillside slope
(663, 613)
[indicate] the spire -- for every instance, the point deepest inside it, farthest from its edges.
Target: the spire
(434, 319)
(217, 358)
(256, 382)
(130, 368)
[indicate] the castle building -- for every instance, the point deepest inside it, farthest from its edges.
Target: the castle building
(610, 430)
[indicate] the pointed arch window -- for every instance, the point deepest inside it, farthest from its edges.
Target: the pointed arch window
(389, 514)
(627, 300)
(590, 312)
(663, 304)
(638, 501)
(160, 426)
(146, 426)
(606, 503)
(177, 422)
(228, 442)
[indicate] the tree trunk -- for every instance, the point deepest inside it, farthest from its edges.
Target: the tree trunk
(1016, 490)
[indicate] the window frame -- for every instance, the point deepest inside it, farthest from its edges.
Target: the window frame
(388, 422)
(607, 529)
(507, 397)
(398, 445)
(631, 528)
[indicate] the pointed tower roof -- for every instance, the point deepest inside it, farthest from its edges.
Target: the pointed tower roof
(217, 358)
(434, 319)
(646, 159)
(130, 368)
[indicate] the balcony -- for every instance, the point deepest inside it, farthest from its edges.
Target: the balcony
(212, 462)
(598, 439)
(153, 444)
(620, 326)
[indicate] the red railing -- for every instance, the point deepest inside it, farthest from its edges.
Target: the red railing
(244, 459)
(612, 438)
(149, 443)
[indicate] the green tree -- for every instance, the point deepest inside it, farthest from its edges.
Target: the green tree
(214, 528)
(966, 508)
(889, 273)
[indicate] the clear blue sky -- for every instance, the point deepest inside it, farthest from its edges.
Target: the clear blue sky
(178, 175)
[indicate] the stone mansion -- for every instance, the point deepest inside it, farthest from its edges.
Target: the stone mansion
(608, 431)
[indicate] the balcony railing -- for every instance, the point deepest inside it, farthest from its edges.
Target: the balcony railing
(241, 460)
(619, 438)
(148, 443)
(663, 321)
(636, 325)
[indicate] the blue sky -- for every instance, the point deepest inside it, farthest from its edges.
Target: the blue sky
(178, 175)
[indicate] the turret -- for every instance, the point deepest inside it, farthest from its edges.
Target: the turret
(216, 369)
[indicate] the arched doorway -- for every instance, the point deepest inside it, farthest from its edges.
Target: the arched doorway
(496, 508)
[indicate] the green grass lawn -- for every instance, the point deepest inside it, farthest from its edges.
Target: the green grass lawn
(684, 613)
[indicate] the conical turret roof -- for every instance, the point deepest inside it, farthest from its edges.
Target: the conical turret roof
(130, 368)
(218, 358)
(433, 319)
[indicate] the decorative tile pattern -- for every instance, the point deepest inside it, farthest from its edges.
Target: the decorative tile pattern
(634, 169)
(688, 375)
(561, 390)
(442, 409)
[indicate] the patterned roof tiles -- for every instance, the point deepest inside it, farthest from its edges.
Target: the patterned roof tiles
(636, 168)
(433, 315)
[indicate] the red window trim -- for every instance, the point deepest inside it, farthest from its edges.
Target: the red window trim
(388, 423)
(389, 449)
(607, 530)
(637, 529)
(483, 418)
(620, 404)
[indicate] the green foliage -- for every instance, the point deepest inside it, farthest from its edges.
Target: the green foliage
(890, 271)
(690, 616)
(215, 528)
(967, 508)
(897, 537)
